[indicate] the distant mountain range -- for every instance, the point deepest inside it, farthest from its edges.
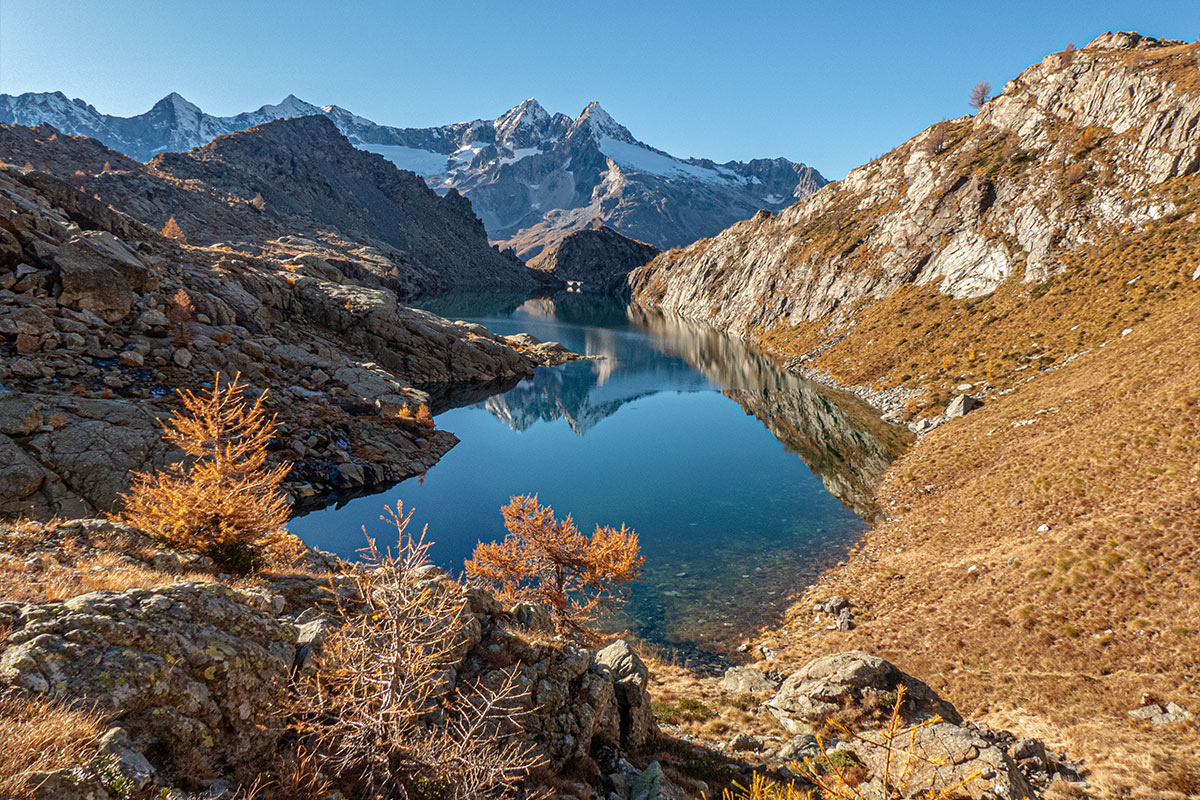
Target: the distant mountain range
(531, 176)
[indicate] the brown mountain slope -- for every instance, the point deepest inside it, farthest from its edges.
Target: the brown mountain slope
(1046, 252)
(1051, 632)
(289, 178)
(1083, 147)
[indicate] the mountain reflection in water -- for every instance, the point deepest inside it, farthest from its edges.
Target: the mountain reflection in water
(659, 434)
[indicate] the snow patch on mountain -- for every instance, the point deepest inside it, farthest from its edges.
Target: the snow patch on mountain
(642, 159)
(423, 162)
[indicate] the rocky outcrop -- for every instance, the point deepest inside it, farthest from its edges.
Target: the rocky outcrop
(1072, 150)
(193, 676)
(630, 680)
(935, 749)
(187, 670)
(101, 319)
(833, 682)
(597, 259)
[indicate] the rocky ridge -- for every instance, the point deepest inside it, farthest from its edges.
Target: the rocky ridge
(101, 318)
(1074, 149)
(258, 189)
(532, 177)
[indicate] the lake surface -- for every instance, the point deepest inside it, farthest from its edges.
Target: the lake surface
(742, 481)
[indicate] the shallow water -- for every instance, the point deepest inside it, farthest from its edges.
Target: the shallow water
(742, 482)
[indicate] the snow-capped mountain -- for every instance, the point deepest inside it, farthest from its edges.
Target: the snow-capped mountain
(531, 176)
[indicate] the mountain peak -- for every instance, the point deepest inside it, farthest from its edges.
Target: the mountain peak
(528, 115)
(179, 104)
(291, 106)
(600, 123)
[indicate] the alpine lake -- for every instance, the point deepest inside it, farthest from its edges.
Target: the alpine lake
(743, 481)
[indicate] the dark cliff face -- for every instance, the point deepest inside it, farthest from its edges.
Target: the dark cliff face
(598, 257)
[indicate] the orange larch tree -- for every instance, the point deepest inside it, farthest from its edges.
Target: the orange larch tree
(223, 499)
(548, 561)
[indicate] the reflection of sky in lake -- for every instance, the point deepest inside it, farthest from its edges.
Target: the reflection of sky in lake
(730, 520)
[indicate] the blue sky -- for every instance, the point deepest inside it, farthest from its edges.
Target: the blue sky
(831, 84)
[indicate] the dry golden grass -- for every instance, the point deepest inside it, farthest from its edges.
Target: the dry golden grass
(921, 339)
(39, 737)
(695, 705)
(49, 564)
(1056, 633)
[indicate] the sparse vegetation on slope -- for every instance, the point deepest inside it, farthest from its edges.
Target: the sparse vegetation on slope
(1041, 559)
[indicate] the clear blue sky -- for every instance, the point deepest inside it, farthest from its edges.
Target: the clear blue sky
(829, 83)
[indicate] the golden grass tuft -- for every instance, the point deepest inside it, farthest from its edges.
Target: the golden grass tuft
(41, 736)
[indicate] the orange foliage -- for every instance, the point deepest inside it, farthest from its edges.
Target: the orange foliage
(172, 231)
(548, 561)
(225, 502)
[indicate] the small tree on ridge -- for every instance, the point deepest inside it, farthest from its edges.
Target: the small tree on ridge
(979, 95)
(222, 500)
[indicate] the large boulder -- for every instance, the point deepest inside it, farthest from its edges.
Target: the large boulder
(190, 671)
(837, 681)
(941, 756)
(936, 750)
(747, 680)
(98, 273)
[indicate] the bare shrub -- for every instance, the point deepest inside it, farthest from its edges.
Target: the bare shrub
(546, 561)
(979, 95)
(936, 142)
(223, 500)
(180, 314)
(380, 708)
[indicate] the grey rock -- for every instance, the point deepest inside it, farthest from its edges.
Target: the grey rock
(829, 682)
(745, 742)
(631, 679)
(961, 405)
(190, 683)
(652, 784)
(130, 762)
(533, 617)
(747, 680)
(954, 754)
(19, 415)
